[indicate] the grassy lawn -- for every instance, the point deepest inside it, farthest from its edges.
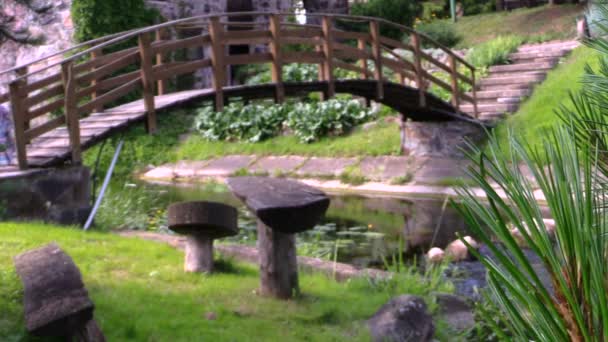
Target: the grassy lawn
(142, 294)
(544, 23)
(538, 112)
(382, 139)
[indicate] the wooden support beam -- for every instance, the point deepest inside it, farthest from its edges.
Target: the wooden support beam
(161, 85)
(277, 61)
(454, 82)
(474, 93)
(147, 80)
(328, 50)
(20, 73)
(374, 29)
(71, 110)
(361, 45)
(415, 41)
(19, 119)
(217, 61)
(95, 55)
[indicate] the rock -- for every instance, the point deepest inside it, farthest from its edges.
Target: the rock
(402, 319)
(457, 311)
(519, 238)
(458, 251)
(285, 205)
(435, 255)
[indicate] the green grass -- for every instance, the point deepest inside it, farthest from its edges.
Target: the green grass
(537, 114)
(539, 23)
(142, 294)
(382, 139)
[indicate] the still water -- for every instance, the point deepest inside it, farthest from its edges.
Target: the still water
(364, 231)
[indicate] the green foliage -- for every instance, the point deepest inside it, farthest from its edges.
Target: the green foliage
(309, 121)
(98, 18)
(441, 31)
(398, 11)
(472, 7)
(495, 51)
(352, 175)
(293, 72)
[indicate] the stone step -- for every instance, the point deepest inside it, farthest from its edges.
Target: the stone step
(492, 116)
(526, 56)
(518, 67)
(504, 87)
(495, 94)
(521, 78)
(490, 107)
(556, 45)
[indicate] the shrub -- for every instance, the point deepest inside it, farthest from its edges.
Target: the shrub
(472, 7)
(441, 31)
(495, 51)
(398, 11)
(257, 122)
(98, 18)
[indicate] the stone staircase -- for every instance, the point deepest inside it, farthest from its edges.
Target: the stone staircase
(506, 86)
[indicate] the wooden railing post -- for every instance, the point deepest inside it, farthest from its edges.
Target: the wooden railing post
(94, 55)
(277, 62)
(374, 29)
(161, 85)
(217, 61)
(19, 119)
(71, 110)
(474, 93)
(361, 45)
(147, 79)
(415, 40)
(454, 83)
(20, 73)
(328, 52)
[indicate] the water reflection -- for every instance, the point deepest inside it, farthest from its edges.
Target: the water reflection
(358, 230)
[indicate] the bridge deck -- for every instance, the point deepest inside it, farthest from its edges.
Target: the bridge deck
(53, 148)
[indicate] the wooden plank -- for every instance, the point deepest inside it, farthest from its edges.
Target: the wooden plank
(398, 65)
(351, 35)
(71, 111)
(352, 67)
(474, 92)
(374, 29)
(437, 81)
(41, 83)
(19, 118)
(43, 96)
(217, 61)
(276, 67)
(47, 108)
(161, 84)
(395, 44)
(415, 39)
(48, 126)
(168, 70)
(349, 52)
(305, 32)
(362, 45)
(247, 37)
(172, 45)
(107, 69)
(102, 59)
(110, 96)
(95, 54)
(248, 59)
(108, 84)
(328, 51)
(147, 81)
(454, 81)
(310, 57)
(466, 97)
(21, 73)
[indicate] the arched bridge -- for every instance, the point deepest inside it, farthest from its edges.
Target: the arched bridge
(67, 102)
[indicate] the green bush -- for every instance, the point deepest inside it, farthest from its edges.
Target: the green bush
(98, 18)
(472, 7)
(402, 12)
(441, 31)
(257, 122)
(495, 51)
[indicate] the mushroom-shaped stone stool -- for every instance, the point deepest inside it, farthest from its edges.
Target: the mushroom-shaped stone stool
(201, 223)
(283, 208)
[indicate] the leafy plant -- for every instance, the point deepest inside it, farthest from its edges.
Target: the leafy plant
(495, 51)
(441, 31)
(398, 11)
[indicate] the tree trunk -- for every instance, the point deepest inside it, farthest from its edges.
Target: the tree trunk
(199, 254)
(278, 263)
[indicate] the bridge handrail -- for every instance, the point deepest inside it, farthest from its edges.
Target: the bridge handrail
(98, 80)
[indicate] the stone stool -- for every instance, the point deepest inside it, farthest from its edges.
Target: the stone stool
(283, 208)
(202, 222)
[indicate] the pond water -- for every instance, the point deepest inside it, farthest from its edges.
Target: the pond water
(363, 231)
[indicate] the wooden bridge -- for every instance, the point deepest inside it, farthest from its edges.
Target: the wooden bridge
(67, 102)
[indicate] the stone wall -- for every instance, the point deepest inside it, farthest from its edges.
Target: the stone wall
(54, 195)
(440, 139)
(30, 30)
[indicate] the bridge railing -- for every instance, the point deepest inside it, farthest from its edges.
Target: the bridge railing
(143, 63)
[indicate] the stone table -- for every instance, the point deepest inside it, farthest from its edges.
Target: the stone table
(283, 207)
(202, 222)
